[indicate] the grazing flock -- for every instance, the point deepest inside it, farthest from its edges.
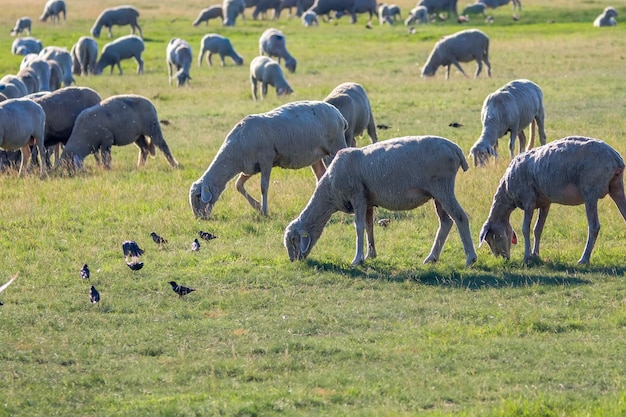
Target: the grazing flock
(42, 113)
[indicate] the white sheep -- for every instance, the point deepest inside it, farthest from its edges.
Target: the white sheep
(417, 14)
(22, 24)
(360, 6)
(351, 100)
(273, 43)
(26, 45)
(41, 68)
(84, 55)
(309, 18)
(30, 79)
(476, 8)
(217, 44)
(12, 86)
(211, 12)
(569, 171)
(464, 46)
(492, 4)
(116, 121)
(179, 55)
(438, 6)
(511, 108)
(291, 136)
(266, 71)
(120, 16)
(606, 18)
(384, 14)
(232, 9)
(22, 123)
(396, 174)
(126, 47)
(53, 9)
(63, 58)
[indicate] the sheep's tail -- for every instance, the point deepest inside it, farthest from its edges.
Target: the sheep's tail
(531, 142)
(462, 159)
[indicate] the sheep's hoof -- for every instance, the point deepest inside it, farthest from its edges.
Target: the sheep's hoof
(583, 261)
(431, 259)
(471, 261)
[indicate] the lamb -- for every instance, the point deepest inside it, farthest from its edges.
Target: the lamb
(26, 45)
(22, 124)
(63, 58)
(417, 14)
(118, 120)
(291, 136)
(23, 24)
(510, 109)
(179, 56)
(273, 43)
(397, 174)
(85, 55)
(569, 171)
(607, 18)
(476, 8)
(121, 16)
(232, 9)
(266, 71)
(463, 46)
(437, 6)
(212, 12)
(309, 18)
(492, 4)
(126, 47)
(352, 101)
(217, 44)
(384, 16)
(53, 10)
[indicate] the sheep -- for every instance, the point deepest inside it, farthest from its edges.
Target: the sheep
(291, 136)
(352, 101)
(26, 45)
(511, 108)
(492, 4)
(22, 24)
(22, 123)
(476, 8)
(41, 68)
(569, 171)
(309, 18)
(607, 18)
(232, 9)
(394, 11)
(383, 14)
(417, 14)
(12, 86)
(212, 12)
(303, 5)
(463, 46)
(361, 6)
(126, 47)
(53, 10)
(273, 43)
(324, 7)
(85, 55)
(118, 120)
(63, 58)
(179, 56)
(266, 71)
(217, 44)
(396, 174)
(30, 79)
(56, 74)
(435, 6)
(286, 4)
(262, 6)
(121, 16)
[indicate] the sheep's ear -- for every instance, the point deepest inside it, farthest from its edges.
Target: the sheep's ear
(206, 195)
(514, 237)
(483, 235)
(305, 241)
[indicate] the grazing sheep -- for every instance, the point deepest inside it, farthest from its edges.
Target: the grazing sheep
(569, 171)
(262, 6)
(179, 56)
(394, 11)
(30, 79)
(232, 9)
(56, 75)
(511, 108)
(361, 6)
(217, 44)
(41, 68)
(352, 101)
(417, 14)
(266, 71)
(324, 7)
(492, 4)
(53, 10)
(438, 6)
(25, 46)
(126, 47)
(309, 18)
(120, 16)
(22, 123)
(85, 55)
(212, 12)
(22, 25)
(463, 46)
(383, 14)
(292, 136)
(396, 174)
(273, 43)
(12, 86)
(118, 120)
(63, 58)
(607, 18)
(476, 8)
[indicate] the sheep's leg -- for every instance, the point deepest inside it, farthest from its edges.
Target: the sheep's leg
(448, 73)
(616, 191)
(169, 70)
(318, 169)
(487, 63)
(263, 89)
(241, 180)
(522, 141)
(479, 68)
(360, 213)
(139, 64)
(541, 221)
(512, 142)
(458, 66)
(106, 156)
(265, 185)
(454, 210)
(528, 218)
(369, 228)
(445, 224)
(110, 31)
(209, 59)
(143, 146)
(593, 228)
(540, 126)
(222, 58)
(119, 67)
(254, 88)
(26, 154)
(139, 29)
(371, 129)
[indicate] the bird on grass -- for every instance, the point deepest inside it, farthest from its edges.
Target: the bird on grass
(206, 235)
(195, 246)
(94, 295)
(84, 272)
(158, 239)
(135, 266)
(131, 249)
(180, 290)
(384, 222)
(455, 124)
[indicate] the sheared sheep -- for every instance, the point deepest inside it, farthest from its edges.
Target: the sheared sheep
(464, 46)
(211, 12)
(569, 171)
(30, 79)
(352, 101)
(492, 4)
(63, 58)
(22, 123)
(291, 136)
(217, 44)
(120, 16)
(118, 120)
(126, 47)
(85, 55)
(396, 174)
(53, 10)
(232, 9)
(273, 43)
(607, 18)
(438, 6)
(417, 14)
(25, 46)
(179, 56)
(41, 68)
(23, 24)
(266, 71)
(511, 108)
(309, 18)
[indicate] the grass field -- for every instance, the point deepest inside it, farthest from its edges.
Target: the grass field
(264, 336)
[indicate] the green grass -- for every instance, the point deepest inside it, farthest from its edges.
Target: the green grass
(263, 336)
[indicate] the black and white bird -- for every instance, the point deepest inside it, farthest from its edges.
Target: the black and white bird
(206, 235)
(158, 239)
(131, 249)
(94, 295)
(195, 246)
(84, 272)
(180, 290)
